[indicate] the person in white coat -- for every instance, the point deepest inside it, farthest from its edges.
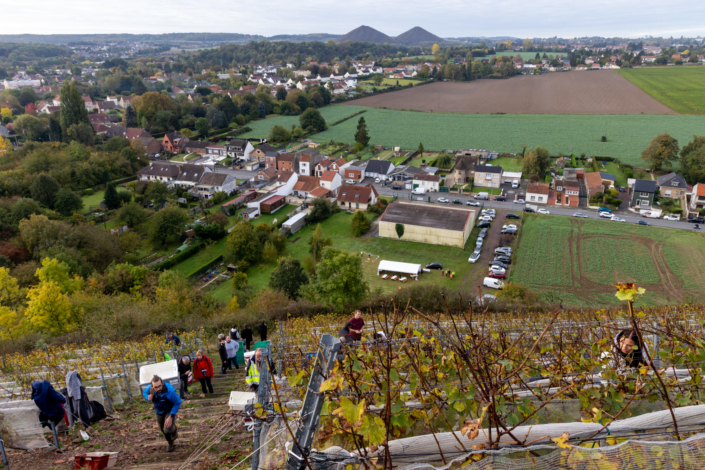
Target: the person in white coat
(231, 347)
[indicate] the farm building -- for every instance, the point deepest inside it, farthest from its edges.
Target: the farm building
(295, 223)
(272, 204)
(427, 224)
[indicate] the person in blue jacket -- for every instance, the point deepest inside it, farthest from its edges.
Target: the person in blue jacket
(166, 403)
(49, 402)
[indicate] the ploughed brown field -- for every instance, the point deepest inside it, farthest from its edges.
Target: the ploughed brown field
(584, 92)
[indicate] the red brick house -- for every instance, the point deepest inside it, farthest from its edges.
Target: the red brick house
(286, 162)
(174, 141)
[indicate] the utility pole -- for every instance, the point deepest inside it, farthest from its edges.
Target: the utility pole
(311, 410)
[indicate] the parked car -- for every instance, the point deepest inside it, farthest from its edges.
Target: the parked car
(671, 217)
(508, 231)
(483, 224)
(474, 203)
(617, 219)
(529, 209)
(512, 226)
(697, 220)
(434, 266)
(479, 242)
(482, 195)
(512, 215)
(483, 233)
(519, 201)
(498, 263)
(498, 275)
(515, 184)
(475, 256)
(377, 180)
(349, 181)
(607, 215)
(503, 250)
(642, 222)
(622, 189)
(492, 283)
(504, 259)
(543, 211)
(581, 215)
(457, 201)
(420, 191)
(443, 200)
(500, 198)
(497, 269)
(485, 218)
(604, 209)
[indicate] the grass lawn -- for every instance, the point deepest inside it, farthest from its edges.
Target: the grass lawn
(614, 169)
(490, 191)
(178, 157)
(508, 163)
(580, 260)
(386, 154)
(419, 160)
(92, 200)
(680, 88)
(201, 258)
(338, 228)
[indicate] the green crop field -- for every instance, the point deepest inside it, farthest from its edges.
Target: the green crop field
(525, 55)
(628, 135)
(580, 260)
(680, 88)
(393, 81)
(260, 129)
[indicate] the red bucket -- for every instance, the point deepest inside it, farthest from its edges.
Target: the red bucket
(95, 460)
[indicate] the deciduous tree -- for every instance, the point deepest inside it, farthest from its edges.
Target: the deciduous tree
(67, 202)
(243, 244)
(662, 151)
(131, 214)
(288, 277)
(312, 118)
(73, 108)
(339, 280)
(360, 224)
(167, 224)
(44, 190)
(399, 228)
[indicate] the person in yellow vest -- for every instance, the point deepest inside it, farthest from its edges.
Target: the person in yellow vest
(252, 370)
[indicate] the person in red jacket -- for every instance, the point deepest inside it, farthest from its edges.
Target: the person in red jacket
(203, 371)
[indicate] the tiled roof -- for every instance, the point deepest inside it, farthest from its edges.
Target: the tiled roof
(538, 188)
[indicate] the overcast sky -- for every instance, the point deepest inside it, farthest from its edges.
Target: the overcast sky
(449, 18)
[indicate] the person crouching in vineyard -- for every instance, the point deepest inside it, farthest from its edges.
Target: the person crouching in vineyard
(203, 372)
(166, 404)
(629, 347)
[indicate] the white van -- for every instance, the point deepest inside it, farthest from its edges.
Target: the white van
(482, 196)
(418, 191)
(515, 184)
(493, 283)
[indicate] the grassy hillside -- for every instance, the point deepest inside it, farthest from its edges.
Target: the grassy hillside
(680, 88)
(628, 135)
(260, 129)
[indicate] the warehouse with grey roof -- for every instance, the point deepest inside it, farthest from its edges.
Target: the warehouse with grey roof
(425, 223)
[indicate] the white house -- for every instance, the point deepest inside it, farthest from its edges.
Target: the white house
(190, 176)
(331, 180)
(163, 172)
(428, 182)
(212, 183)
(239, 149)
(537, 193)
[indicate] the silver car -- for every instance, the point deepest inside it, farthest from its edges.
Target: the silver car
(475, 256)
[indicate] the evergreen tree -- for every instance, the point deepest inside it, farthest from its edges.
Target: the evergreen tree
(44, 190)
(421, 149)
(73, 109)
(361, 135)
(538, 56)
(112, 200)
(130, 117)
(254, 112)
(262, 110)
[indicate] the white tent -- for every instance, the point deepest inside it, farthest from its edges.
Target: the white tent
(397, 267)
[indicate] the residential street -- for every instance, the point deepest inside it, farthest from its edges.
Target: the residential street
(630, 217)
